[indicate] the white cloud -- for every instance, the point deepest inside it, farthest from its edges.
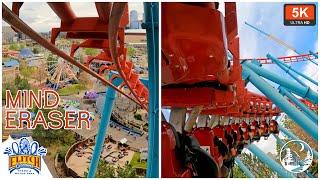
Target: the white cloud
(40, 16)
(84, 9)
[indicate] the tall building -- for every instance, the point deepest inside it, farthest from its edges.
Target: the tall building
(134, 22)
(8, 35)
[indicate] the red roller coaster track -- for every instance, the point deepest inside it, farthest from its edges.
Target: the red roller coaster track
(286, 59)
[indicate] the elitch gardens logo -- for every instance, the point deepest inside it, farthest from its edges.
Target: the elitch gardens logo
(25, 157)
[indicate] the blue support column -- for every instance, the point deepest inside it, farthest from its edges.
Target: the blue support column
(104, 122)
(313, 54)
(244, 168)
(254, 61)
(301, 119)
(294, 87)
(151, 11)
(270, 162)
(302, 106)
(287, 69)
(290, 135)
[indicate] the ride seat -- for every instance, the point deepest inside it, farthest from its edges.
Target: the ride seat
(180, 150)
(172, 164)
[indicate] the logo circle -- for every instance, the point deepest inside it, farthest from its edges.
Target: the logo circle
(296, 156)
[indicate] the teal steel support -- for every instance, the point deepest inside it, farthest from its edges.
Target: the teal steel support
(313, 116)
(287, 69)
(295, 114)
(104, 122)
(270, 162)
(294, 87)
(254, 61)
(244, 168)
(290, 135)
(313, 54)
(151, 11)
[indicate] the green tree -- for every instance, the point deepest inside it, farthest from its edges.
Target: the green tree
(138, 116)
(131, 51)
(35, 50)
(18, 84)
(91, 51)
(21, 84)
(9, 86)
(51, 61)
(104, 170)
(237, 172)
(126, 171)
(256, 166)
(14, 47)
(22, 46)
(48, 137)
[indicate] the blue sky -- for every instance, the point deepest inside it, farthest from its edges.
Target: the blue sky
(269, 18)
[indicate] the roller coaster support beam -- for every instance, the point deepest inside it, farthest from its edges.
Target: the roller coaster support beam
(270, 162)
(106, 115)
(313, 54)
(103, 9)
(287, 68)
(302, 106)
(290, 135)
(294, 87)
(277, 40)
(295, 114)
(151, 25)
(244, 168)
(292, 75)
(104, 123)
(282, 143)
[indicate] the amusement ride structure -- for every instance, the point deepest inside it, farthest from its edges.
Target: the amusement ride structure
(105, 32)
(213, 116)
(60, 72)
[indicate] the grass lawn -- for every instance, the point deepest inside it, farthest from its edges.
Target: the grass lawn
(71, 89)
(135, 161)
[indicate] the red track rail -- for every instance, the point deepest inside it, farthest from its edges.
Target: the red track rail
(286, 59)
(125, 68)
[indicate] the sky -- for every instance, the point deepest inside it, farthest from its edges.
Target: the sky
(40, 16)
